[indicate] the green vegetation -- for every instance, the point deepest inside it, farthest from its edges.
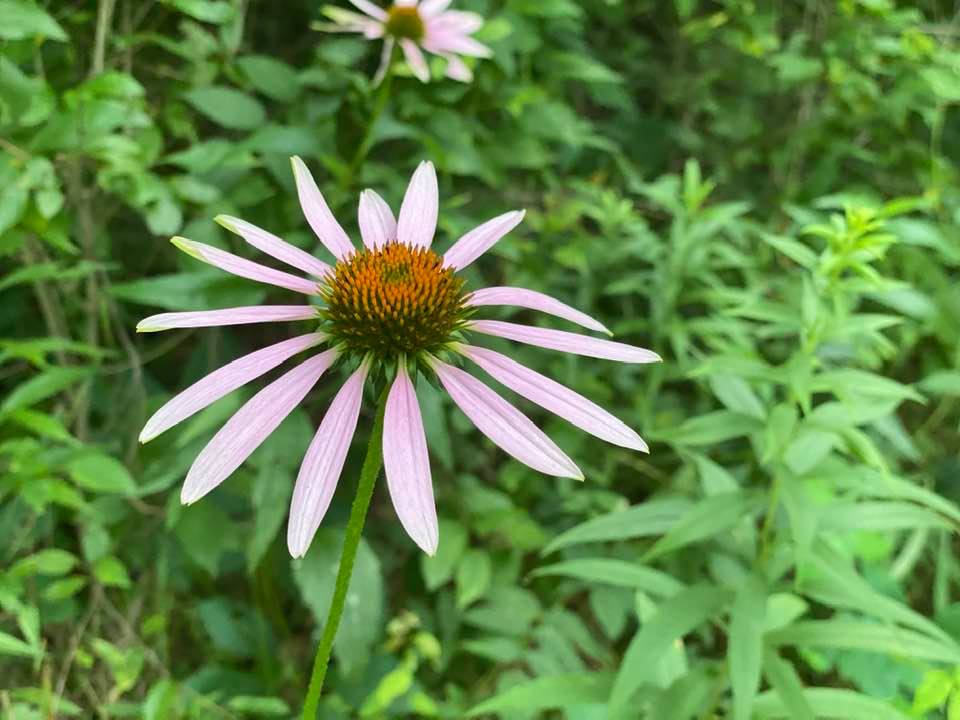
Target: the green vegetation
(767, 194)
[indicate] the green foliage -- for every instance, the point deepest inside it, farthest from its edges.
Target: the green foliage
(764, 193)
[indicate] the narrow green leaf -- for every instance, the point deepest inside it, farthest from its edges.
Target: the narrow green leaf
(614, 572)
(654, 517)
(547, 693)
(709, 517)
(745, 650)
(785, 681)
(830, 704)
(676, 617)
(873, 637)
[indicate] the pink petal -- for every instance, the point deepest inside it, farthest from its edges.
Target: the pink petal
(431, 8)
(273, 246)
(250, 426)
(377, 224)
(415, 59)
(455, 22)
(557, 398)
(323, 464)
(533, 300)
(245, 268)
(386, 56)
(228, 316)
(457, 69)
(220, 382)
(407, 464)
(506, 426)
(418, 213)
(566, 341)
(318, 215)
(370, 9)
(440, 41)
(476, 242)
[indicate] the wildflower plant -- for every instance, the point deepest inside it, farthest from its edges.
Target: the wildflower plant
(387, 313)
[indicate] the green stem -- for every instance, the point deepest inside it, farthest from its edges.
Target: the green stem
(380, 104)
(351, 542)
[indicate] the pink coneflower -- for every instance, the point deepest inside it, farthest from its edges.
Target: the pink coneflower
(427, 25)
(390, 310)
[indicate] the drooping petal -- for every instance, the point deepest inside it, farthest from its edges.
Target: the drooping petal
(476, 242)
(318, 214)
(432, 8)
(323, 464)
(557, 398)
(377, 224)
(227, 316)
(407, 464)
(533, 300)
(386, 56)
(250, 426)
(566, 341)
(242, 267)
(421, 204)
(457, 21)
(506, 426)
(439, 41)
(370, 9)
(415, 59)
(457, 69)
(223, 381)
(273, 246)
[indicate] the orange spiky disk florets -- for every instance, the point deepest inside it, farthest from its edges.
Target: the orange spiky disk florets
(393, 300)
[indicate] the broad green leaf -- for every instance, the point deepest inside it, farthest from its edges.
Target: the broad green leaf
(274, 78)
(211, 11)
(830, 704)
(737, 395)
(473, 577)
(10, 645)
(709, 517)
(438, 569)
(675, 617)
(709, 429)
(227, 106)
(653, 517)
(52, 561)
(111, 572)
(101, 473)
(745, 644)
(24, 19)
(362, 619)
(548, 693)
(613, 572)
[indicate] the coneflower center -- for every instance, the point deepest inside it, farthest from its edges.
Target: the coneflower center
(405, 22)
(394, 300)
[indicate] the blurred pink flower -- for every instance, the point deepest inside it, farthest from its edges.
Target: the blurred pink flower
(416, 26)
(390, 310)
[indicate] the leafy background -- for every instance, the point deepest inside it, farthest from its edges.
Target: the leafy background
(765, 193)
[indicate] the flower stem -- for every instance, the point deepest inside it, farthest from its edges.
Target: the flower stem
(380, 104)
(351, 543)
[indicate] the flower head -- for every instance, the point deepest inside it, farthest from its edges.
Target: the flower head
(416, 26)
(393, 309)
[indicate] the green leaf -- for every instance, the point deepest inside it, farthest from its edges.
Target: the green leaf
(945, 382)
(360, 627)
(259, 706)
(745, 649)
(873, 637)
(473, 577)
(438, 569)
(933, 691)
(830, 704)
(676, 617)
(737, 395)
(111, 572)
(10, 645)
(43, 386)
(22, 19)
(52, 561)
(272, 77)
(709, 517)
(614, 572)
(785, 681)
(548, 693)
(101, 473)
(211, 11)
(227, 107)
(710, 429)
(653, 517)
